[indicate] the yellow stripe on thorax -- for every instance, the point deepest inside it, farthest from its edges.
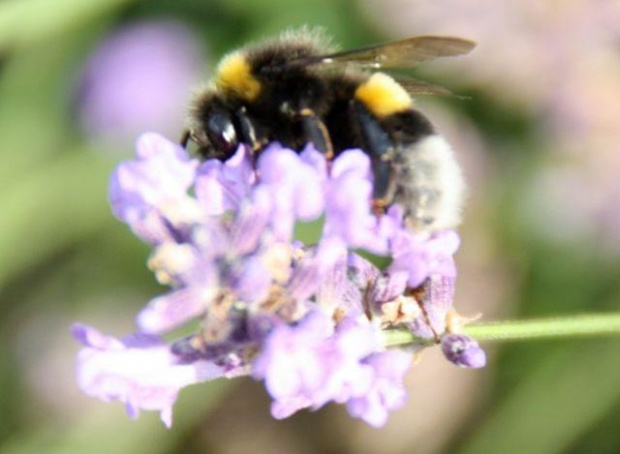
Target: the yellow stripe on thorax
(234, 76)
(383, 96)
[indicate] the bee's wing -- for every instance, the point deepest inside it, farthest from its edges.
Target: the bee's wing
(419, 87)
(407, 53)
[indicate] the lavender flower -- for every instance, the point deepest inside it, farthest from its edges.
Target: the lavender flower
(304, 318)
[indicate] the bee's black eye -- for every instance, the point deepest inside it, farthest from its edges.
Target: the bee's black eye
(221, 131)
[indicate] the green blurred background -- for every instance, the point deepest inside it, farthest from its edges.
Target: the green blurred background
(540, 143)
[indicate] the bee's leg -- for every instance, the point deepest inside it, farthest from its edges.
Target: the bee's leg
(184, 138)
(316, 132)
(379, 146)
(248, 131)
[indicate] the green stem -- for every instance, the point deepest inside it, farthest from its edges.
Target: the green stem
(546, 328)
(549, 328)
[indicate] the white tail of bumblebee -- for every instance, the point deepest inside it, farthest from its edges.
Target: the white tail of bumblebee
(431, 187)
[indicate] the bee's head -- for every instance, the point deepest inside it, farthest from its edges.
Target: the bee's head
(211, 129)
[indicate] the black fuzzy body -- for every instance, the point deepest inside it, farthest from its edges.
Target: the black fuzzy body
(302, 103)
(326, 91)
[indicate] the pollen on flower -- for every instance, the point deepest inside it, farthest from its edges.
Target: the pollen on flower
(277, 261)
(401, 310)
(171, 260)
(184, 211)
(306, 319)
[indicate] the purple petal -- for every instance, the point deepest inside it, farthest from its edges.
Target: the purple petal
(157, 179)
(378, 288)
(315, 159)
(170, 311)
(90, 337)
(289, 362)
(281, 409)
(253, 283)
(356, 339)
(351, 162)
(142, 340)
(386, 392)
(348, 210)
(295, 186)
(362, 272)
(250, 224)
(463, 351)
(310, 271)
(142, 377)
(308, 363)
(387, 288)
(421, 257)
(338, 293)
(435, 298)
(221, 186)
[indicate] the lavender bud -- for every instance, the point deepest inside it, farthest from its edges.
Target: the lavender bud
(463, 351)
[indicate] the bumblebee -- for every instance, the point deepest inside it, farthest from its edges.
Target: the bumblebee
(294, 89)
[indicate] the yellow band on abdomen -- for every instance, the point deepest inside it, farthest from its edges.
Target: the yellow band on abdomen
(383, 96)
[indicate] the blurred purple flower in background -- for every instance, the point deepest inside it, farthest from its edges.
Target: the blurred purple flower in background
(138, 80)
(304, 318)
